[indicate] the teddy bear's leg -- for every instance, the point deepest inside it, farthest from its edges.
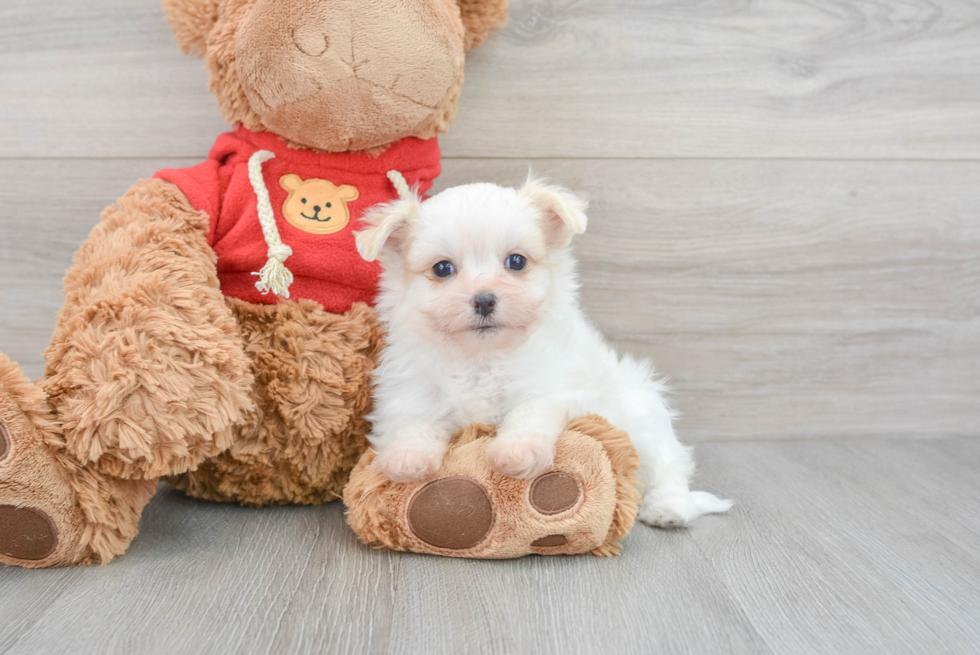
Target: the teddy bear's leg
(42, 521)
(146, 376)
(312, 391)
(587, 503)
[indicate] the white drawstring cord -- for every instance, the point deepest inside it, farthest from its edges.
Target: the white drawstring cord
(401, 186)
(274, 276)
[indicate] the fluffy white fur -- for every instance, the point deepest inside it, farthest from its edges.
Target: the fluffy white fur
(528, 367)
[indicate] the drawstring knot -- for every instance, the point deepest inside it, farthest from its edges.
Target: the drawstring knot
(280, 252)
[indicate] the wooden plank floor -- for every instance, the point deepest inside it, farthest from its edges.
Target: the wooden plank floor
(858, 547)
(785, 216)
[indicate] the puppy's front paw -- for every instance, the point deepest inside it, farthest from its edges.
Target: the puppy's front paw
(407, 463)
(521, 458)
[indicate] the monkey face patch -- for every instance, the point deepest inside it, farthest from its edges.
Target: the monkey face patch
(316, 206)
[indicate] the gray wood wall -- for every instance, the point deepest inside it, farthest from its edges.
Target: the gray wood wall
(785, 194)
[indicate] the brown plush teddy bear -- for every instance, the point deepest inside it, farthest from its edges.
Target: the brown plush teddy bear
(216, 328)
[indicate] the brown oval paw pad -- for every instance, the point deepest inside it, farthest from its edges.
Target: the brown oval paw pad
(454, 513)
(550, 540)
(26, 533)
(554, 492)
(4, 442)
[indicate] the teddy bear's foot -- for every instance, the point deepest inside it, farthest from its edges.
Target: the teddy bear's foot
(53, 510)
(39, 527)
(40, 522)
(586, 504)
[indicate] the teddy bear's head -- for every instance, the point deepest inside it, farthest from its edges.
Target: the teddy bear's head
(336, 75)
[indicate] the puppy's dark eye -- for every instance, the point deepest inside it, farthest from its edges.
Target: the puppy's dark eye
(329, 205)
(304, 201)
(516, 262)
(444, 269)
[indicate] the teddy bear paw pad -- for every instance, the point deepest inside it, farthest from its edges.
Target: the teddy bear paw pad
(4, 442)
(555, 492)
(551, 540)
(26, 533)
(453, 513)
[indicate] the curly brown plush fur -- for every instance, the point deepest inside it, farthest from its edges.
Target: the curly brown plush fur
(625, 463)
(146, 370)
(480, 18)
(312, 390)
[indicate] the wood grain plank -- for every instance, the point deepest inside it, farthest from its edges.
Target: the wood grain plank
(660, 596)
(848, 547)
(205, 577)
(784, 299)
(26, 594)
(782, 78)
(566, 78)
(102, 78)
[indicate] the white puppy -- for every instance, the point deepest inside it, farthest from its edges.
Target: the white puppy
(479, 296)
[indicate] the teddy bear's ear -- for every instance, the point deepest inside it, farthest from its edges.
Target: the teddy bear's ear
(290, 182)
(348, 193)
(385, 226)
(480, 17)
(561, 211)
(191, 21)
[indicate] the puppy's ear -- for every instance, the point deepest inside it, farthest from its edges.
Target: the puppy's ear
(191, 22)
(386, 225)
(480, 17)
(562, 212)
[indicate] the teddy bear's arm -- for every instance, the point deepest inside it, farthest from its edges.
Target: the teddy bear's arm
(146, 368)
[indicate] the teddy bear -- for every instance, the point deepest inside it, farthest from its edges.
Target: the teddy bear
(217, 330)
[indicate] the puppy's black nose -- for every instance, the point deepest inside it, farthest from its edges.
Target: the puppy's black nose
(316, 208)
(484, 303)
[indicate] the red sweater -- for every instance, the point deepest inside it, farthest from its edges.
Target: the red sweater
(317, 199)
